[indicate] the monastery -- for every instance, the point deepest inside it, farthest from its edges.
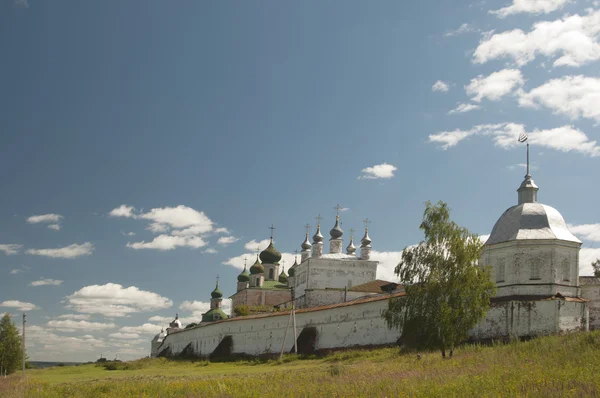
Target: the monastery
(337, 301)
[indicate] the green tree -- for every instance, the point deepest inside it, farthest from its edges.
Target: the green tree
(596, 267)
(447, 291)
(10, 345)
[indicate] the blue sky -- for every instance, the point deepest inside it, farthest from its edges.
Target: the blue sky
(157, 142)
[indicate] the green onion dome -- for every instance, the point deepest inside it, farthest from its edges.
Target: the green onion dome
(270, 255)
(257, 268)
(292, 270)
(216, 293)
(244, 276)
(283, 278)
(214, 315)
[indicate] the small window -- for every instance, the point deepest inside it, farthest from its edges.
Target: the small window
(535, 269)
(500, 270)
(566, 270)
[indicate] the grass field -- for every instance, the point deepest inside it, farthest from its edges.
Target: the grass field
(566, 366)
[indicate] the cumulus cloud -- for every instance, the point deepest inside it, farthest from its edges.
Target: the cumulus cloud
(179, 217)
(55, 227)
(589, 232)
(123, 211)
(462, 108)
(146, 328)
(504, 135)
(19, 305)
(73, 251)
(197, 308)
(210, 250)
(440, 86)
(44, 282)
(586, 257)
(75, 316)
(221, 230)
(378, 171)
(45, 218)
(115, 300)
(127, 336)
(253, 244)
(494, 86)
(571, 96)
(227, 240)
(531, 7)
(169, 242)
(387, 264)
(70, 325)
(573, 39)
(10, 248)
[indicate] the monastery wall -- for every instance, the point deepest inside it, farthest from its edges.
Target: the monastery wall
(341, 326)
(318, 297)
(254, 297)
(531, 318)
(590, 290)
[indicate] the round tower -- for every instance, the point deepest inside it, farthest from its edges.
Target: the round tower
(270, 258)
(257, 273)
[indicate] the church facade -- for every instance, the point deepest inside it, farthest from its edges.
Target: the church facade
(534, 256)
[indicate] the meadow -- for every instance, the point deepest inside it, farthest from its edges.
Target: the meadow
(566, 366)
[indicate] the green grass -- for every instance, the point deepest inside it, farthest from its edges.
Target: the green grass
(566, 366)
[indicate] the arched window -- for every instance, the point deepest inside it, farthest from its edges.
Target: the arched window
(566, 270)
(536, 266)
(500, 270)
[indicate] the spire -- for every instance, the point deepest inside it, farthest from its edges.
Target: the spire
(528, 190)
(318, 237)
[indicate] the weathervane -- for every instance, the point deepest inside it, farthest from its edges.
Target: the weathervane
(523, 138)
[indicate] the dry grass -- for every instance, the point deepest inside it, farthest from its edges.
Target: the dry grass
(550, 366)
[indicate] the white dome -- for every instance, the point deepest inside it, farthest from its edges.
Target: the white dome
(530, 221)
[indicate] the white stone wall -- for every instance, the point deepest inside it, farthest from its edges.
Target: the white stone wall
(335, 246)
(531, 318)
(318, 297)
(590, 290)
(321, 273)
(355, 325)
(514, 264)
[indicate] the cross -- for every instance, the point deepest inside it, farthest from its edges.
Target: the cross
(351, 232)
(217, 279)
(337, 209)
(272, 228)
(245, 261)
(318, 218)
(307, 226)
(367, 222)
(257, 250)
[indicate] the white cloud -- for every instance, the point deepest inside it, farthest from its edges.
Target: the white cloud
(49, 345)
(123, 211)
(531, 7)
(72, 251)
(440, 86)
(55, 227)
(179, 217)
(464, 28)
(221, 230)
(146, 328)
(484, 238)
(573, 39)
(16, 271)
(197, 308)
(127, 336)
(115, 300)
(157, 228)
(494, 86)
(210, 250)
(70, 325)
(227, 240)
(586, 257)
(253, 244)
(19, 305)
(572, 96)
(193, 230)
(565, 138)
(43, 282)
(45, 218)
(462, 108)
(168, 242)
(387, 264)
(378, 171)
(75, 316)
(590, 232)
(127, 233)
(10, 248)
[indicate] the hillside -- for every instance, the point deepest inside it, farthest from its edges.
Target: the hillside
(548, 366)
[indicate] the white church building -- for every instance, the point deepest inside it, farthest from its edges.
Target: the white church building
(340, 301)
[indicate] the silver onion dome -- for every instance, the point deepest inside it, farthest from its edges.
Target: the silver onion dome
(351, 249)
(366, 240)
(306, 244)
(318, 237)
(336, 232)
